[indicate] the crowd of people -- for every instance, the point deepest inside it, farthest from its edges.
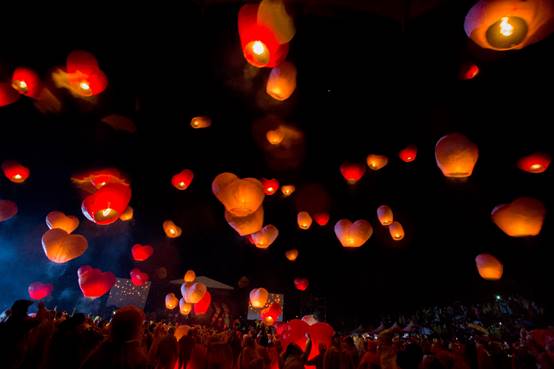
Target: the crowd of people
(495, 335)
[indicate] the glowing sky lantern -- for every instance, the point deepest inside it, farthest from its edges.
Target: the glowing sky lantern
(39, 290)
(193, 292)
(259, 42)
(534, 163)
(385, 215)
(138, 277)
(241, 197)
(273, 13)
(271, 314)
(94, 282)
(304, 220)
(106, 204)
(57, 219)
(352, 172)
(258, 297)
(489, 267)
(61, 247)
(92, 180)
(190, 276)
(171, 229)
(282, 81)
(127, 214)
(291, 255)
(265, 237)
(509, 24)
(353, 235)
(301, 284)
(456, 155)
(184, 307)
(408, 154)
(396, 231)
(201, 121)
(26, 81)
(171, 301)
(14, 171)
(287, 190)
(322, 219)
(8, 209)
(376, 162)
(275, 136)
(270, 186)
(522, 217)
(84, 77)
(182, 180)
(471, 72)
(248, 224)
(202, 306)
(7, 94)
(141, 252)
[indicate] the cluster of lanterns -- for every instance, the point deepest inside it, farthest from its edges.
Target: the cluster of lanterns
(269, 313)
(195, 296)
(386, 218)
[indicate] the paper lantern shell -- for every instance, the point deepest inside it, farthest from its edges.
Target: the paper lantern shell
(171, 301)
(57, 219)
(138, 278)
(396, 231)
(14, 171)
(265, 237)
(301, 284)
(193, 292)
(26, 81)
(275, 136)
(182, 180)
(489, 267)
(291, 255)
(534, 163)
(385, 215)
(258, 297)
(202, 306)
(352, 173)
(287, 190)
(352, 235)
(106, 204)
(304, 220)
(8, 209)
(39, 290)
(282, 81)
(94, 282)
(200, 122)
(184, 307)
(84, 75)
(270, 186)
(141, 252)
(61, 247)
(241, 197)
(190, 276)
(321, 219)
(456, 155)
(408, 154)
(171, 229)
(522, 217)
(376, 162)
(248, 224)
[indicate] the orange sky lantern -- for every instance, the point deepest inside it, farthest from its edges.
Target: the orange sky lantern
(489, 267)
(171, 301)
(376, 162)
(282, 81)
(258, 297)
(184, 307)
(127, 214)
(241, 197)
(248, 224)
(304, 220)
(57, 219)
(352, 235)
(190, 276)
(201, 121)
(171, 229)
(385, 215)
(522, 217)
(456, 155)
(287, 190)
(61, 247)
(396, 231)
(275, 136)
(265, 237)
(291, 255)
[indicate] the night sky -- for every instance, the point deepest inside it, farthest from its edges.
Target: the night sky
(366, 84)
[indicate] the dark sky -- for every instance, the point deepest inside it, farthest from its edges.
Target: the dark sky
(365, 84)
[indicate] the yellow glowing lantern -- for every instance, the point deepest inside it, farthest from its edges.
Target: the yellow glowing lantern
(200, 122)
(376, 162)
(282, 81)
(396, 231)
(353, 234)
(171, 230)
(489, 267)
(171, 301)
(190, 276)
(246, 225)
(384, 213)
(275, 136)
(241, 197)
(287, 190)
(456, 155)
(57, 219)
(291, 255)
(193, 292)
(265, 237)
(522, 217)
(304, 220)
(258, 297)
(184, 307)
(127, 214)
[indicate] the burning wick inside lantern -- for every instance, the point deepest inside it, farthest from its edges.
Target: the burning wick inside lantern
(258, 47)
(106, 212)
(17, 176)
(506, 29)
(84, 86)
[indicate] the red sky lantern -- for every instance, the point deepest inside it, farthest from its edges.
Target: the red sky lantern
(471, 72)
(270, 186)
(141, 252)
(534, 163)
(352, 172)
(321, 219)
(84, 75)
(271, 313)
(183, 179)
(408, 154)
(259, 42)
(7, 94)
(94, 282)
(8, 209)
(39, 290)
(107, 204)
(138, 278)
(301, 284)
(202, 306)
(26, 81)
(14, 171)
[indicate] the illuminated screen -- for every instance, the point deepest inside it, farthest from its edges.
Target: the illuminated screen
(124, 293)
(254, 314)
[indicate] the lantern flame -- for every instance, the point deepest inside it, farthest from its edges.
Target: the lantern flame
(506, 29)
(258, 47)
(85, 86)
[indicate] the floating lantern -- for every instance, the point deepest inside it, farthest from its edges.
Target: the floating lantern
(376, 162)
(471, 72)
(291, 255)
(287, 190)
(282, 81)
(270, 186)
(26, 81)
(193, 292)
(7, 94)
(190, 276)
(141, 252)
(522, 217)
(265, 237)
(321, 219)
(534, 163)
(14, 171)
(259, 42)
(246, 225)
(39, 290)
(57, 219)
(201, 122)
(408, 154)
(384, 213)
(171, 229)
(184, 307)
(456, 155)
(202, 306)
(396, 231)
(353, 234)
(94, 282)
(127, 214)
(138, 278)
(276, 136)
(304, 220)
(61, 247)
(182, 180)
(8, 209)
(171, 301)
(352, 172)
(271, 314)
(273, 13)
(91, 181)
(84, 76)
(241, 197)
(258, 297)
(489, 267)
(107, 204)
(509, 24)
(301, 284)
